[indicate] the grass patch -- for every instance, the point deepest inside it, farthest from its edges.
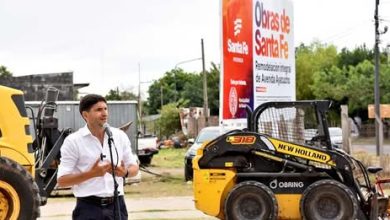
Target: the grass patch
(154, 186)
(169, 158)
(169, 165)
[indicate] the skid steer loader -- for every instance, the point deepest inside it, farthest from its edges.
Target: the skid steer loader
(283, 166)
(28, 168)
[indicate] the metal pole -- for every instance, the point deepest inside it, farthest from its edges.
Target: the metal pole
(205, 99)
(378, 120)
(174, 78)
(139, 92)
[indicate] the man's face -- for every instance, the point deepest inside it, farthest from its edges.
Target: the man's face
(97, 115)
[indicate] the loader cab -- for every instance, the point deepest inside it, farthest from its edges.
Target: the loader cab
(15, 139)
(302, 122)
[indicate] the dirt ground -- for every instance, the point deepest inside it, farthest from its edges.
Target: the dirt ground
(162, 196)
(181, 207)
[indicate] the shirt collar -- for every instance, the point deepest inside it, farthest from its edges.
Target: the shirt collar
(85, 131)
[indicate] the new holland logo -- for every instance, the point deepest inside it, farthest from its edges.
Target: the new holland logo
(285, 184)
(301, 151)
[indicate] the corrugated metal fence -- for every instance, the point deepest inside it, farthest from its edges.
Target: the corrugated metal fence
(120, 112)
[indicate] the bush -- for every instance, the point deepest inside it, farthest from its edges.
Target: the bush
(169, 122)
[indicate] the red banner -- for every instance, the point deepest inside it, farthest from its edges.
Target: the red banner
(237, 58)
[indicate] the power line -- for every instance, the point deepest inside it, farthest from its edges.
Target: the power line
(348, 31)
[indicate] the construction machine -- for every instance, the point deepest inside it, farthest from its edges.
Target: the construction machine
(283, 166)
(28, 168)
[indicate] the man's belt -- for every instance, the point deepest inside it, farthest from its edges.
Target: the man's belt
(101, 201)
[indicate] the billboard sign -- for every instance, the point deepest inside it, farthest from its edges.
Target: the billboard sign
(258, 63)
(384, 111)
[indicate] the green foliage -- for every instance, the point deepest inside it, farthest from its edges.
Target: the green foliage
(169, 158)
(309, 61)
(329, 83)
(166, 89)
(346, 77)
(169, 122)
(120, 95)
(360, 86)
(188, 87)
(4, 72)
(352, 58)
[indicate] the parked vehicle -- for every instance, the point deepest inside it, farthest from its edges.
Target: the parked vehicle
(336, 136)
(147, 147)
(205, 135)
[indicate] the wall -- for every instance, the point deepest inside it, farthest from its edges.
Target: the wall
(35, 86)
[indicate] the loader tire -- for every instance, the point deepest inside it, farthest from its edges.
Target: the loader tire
(250, 200)
(19, 194)
(328, 200)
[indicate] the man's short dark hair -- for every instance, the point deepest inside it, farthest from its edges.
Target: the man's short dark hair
(89, 100)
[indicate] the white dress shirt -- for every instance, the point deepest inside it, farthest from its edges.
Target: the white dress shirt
(80, 151)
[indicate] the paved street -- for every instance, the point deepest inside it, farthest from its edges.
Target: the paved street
(370, 148)
(142, 208)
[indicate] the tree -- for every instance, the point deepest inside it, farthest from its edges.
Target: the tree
(166, 89)
(352, 58)
(169, 122)
(177, 84)
(4, 72)
(330, 83)
(309, 60)
(120, 95)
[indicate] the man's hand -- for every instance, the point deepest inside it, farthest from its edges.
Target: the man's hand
(76, 178)
(121, 170)
(100, 169)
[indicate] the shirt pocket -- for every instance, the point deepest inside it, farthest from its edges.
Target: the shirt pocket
(88, 157)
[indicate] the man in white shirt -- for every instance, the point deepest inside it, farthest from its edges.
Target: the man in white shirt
(86, 164)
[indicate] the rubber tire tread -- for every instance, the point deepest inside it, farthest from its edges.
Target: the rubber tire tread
(245, 184)
(319, 183)
(23, 183)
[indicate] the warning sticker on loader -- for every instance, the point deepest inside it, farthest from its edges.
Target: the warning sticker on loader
(300, 151)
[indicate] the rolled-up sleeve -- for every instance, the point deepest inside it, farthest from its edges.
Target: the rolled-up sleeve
(128, 156)
(69, 156)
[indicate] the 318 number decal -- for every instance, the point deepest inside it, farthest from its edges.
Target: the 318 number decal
(241, 139)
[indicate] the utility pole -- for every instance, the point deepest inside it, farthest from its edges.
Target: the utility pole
(139, 99)
(378, 120)
(205, 99)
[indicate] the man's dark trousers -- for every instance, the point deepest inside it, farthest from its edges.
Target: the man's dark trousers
(86, 210)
